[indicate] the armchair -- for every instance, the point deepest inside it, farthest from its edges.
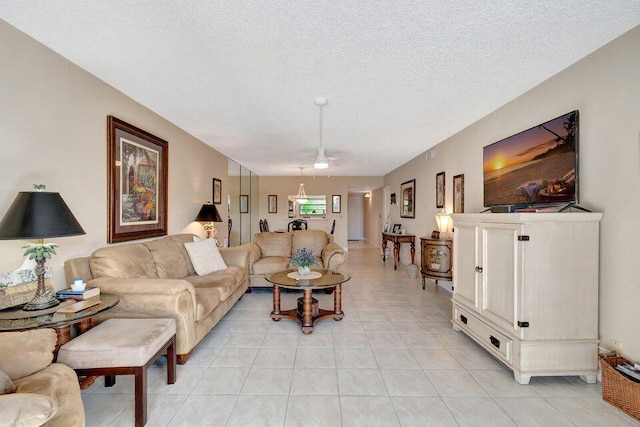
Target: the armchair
(45, 393)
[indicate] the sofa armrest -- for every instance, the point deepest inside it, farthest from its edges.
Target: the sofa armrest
(330, 250)
(255, 254)
(237, 255)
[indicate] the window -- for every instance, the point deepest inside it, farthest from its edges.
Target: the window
(313, 206)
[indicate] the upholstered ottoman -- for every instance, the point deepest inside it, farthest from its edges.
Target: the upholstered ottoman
(124, 347)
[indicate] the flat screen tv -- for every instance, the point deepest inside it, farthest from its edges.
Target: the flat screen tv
(536, 166)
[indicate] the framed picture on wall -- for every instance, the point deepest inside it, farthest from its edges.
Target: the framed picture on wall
(458, 193)
(440, 190)
(336, 203)
(244, 203)
(408, 199)
(273, 203)
(137, 183)
(217, 191)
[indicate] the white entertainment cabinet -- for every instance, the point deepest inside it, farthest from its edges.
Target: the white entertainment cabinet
(526, 289)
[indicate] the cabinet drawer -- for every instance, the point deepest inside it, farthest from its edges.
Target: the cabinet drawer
(484, 334)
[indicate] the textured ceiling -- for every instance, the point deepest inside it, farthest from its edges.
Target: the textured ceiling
(400, 76)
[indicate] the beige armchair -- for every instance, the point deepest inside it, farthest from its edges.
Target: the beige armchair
(271, 252)
(46, 393)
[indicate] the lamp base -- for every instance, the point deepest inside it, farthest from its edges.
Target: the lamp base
(41, 302)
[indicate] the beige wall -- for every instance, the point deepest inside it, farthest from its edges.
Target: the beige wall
(606, 89)
(283, 186)
(53, 131)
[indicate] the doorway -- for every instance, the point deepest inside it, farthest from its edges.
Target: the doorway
(356, 217)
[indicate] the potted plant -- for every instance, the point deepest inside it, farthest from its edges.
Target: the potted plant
(303, 258)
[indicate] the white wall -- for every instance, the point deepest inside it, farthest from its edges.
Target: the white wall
(53, 131)
(606, 89)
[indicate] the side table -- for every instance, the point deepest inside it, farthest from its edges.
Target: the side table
(396, 239)
(436, 262)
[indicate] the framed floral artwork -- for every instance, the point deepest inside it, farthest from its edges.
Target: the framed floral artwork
(217, 191)
(440, 190)
(408, 199)
(137, 182)
(458, 193)
(244, 203)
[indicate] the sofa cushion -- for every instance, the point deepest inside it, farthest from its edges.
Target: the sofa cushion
(130, 261)
(315, 240)
(206, 300)
(27, 352)
(271, 265)
(6, 385)
(26, 409)
(274, 244)
(205, 256)
(225, 282)
(170, 257)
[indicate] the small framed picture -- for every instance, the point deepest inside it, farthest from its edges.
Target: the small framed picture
(336, 203)
(440, 190)
(458, 193)
(244, 203)
(273, 203)
(393, 198)
(435, 234)
(397, 228)
(408, 192)
(217, 191)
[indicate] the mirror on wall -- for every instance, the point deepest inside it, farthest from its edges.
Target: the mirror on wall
(242, 204)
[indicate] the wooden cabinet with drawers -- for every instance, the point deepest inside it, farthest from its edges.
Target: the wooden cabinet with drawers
(436, 257)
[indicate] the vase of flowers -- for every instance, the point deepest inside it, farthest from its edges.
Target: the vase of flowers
(303, 258)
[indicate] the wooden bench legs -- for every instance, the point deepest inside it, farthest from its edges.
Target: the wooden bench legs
(140, 373)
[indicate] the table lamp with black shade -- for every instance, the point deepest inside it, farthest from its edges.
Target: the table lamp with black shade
(39, 215)
(209, 214)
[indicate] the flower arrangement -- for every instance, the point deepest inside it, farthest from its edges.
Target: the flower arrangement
(303, 257)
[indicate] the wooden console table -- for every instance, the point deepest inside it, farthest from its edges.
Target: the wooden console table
(396, 239)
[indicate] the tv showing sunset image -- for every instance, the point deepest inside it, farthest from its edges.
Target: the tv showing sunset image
(536, 166)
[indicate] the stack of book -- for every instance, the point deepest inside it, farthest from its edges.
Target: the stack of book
(69, 293)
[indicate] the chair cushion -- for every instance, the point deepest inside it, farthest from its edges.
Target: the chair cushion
(6, 385)
(205, 256)
(26, 409)
(315, 240)
(271, 265)
(26, 352)
(117, 343)
(274, 244)
(129, 261)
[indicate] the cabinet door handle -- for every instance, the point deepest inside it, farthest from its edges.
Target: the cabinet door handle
(478, 269)
(495, 341)
(463, 319)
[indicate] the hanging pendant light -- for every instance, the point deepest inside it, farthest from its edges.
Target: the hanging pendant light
(321, 161)
(301, 194)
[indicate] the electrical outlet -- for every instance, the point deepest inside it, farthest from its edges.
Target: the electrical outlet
(616, 346)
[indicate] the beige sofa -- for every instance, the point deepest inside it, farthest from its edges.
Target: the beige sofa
(46, 393)
(271, 252)
(157, 279)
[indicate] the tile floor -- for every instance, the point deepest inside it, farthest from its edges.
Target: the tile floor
(393, 361)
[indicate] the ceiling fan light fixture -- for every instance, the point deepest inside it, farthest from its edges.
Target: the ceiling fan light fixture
(321, 160)
(301, 193)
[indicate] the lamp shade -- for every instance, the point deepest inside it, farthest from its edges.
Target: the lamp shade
(443, 221)
(38, 215)
(208, 213)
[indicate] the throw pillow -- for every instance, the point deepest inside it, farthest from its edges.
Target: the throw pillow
(205, 256)
(6, 385)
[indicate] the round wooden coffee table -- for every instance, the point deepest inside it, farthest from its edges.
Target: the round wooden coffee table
(308, 312)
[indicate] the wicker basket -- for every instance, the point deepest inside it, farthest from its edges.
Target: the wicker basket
(618, 389)
(12, 296)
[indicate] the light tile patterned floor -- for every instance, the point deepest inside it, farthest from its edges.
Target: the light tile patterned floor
(393, 361)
